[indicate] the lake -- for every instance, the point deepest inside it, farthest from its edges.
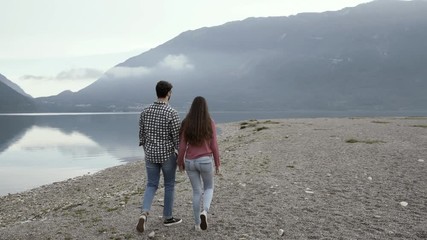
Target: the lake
(39, 149)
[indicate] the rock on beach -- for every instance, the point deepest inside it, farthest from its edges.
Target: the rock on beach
(313, 178)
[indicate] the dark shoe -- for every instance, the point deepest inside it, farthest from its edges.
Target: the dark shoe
(141, 223)
(204, 220)
(171, 221)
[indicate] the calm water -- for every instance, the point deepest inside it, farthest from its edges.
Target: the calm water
(39, 149)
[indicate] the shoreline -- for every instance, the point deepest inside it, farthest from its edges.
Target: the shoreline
(311, 177)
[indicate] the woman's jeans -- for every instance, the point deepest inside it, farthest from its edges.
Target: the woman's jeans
(200, 172)
(168, 169)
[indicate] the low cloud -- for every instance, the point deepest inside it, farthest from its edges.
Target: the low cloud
(33, 77)
(122, 72)
(80, 73)
(169, 63)
(176, 62)
(71, 74)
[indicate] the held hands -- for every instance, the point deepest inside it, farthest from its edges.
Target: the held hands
(181, 168)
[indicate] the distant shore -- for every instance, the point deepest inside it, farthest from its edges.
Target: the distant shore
(310, 178)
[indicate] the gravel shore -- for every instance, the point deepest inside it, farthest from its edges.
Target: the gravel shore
(314, 178)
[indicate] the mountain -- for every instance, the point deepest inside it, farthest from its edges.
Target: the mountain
(12, 101)
(14, 86)
(368, 57)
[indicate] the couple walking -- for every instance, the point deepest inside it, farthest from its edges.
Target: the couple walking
(161, 135)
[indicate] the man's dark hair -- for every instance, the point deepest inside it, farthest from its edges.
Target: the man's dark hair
(162, 89)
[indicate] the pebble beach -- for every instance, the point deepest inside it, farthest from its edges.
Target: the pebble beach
(309, 178)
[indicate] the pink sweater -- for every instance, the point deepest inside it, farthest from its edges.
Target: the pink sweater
(193, 152)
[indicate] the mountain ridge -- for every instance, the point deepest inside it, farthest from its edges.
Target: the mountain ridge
(368, 57)
(13, 101)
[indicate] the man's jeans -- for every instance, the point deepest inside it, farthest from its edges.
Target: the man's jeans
(168, 169)
(200, 171)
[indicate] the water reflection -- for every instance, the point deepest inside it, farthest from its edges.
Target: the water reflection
(37, 150)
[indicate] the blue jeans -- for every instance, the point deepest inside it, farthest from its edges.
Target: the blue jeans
(200, 172)
(168, 169)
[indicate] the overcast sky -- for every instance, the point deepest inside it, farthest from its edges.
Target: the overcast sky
(48, 46)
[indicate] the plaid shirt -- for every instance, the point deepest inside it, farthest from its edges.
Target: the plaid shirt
(159, 131)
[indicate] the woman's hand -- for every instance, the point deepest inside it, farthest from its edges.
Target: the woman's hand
(217, 171)
(181, 168)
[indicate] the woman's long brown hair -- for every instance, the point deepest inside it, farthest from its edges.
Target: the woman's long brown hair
(196, 126)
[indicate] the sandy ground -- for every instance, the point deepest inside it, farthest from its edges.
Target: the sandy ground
(322, 178)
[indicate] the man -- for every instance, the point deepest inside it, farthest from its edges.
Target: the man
(159, 135)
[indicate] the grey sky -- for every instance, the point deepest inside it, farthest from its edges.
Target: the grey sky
(45, 38)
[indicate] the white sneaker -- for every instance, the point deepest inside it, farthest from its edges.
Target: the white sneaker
(141, 223)
(204, 220)
(197, 228)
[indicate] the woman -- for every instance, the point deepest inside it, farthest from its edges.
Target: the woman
(197, 148)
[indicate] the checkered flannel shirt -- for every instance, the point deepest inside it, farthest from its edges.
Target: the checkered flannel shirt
(159, 131)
